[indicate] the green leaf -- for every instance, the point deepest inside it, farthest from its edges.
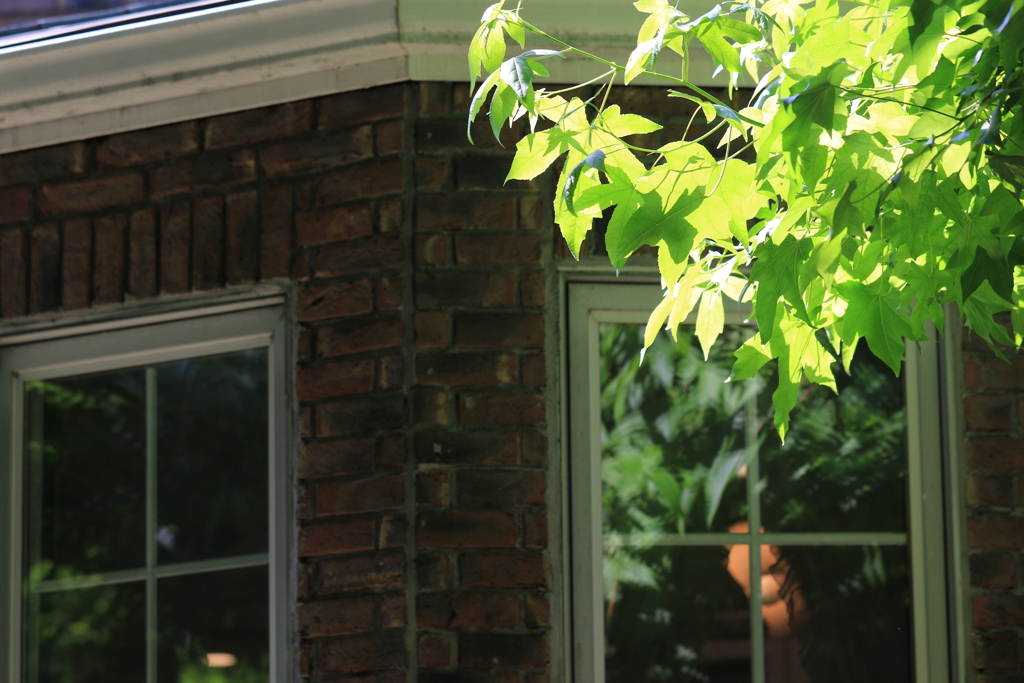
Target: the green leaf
(710, 319)
(537, 151)
(494, 47)
(984, 268)
(478, 101)
(503, 104)
(777, 274)
(519, 76)
(723, 470)
(871, 313)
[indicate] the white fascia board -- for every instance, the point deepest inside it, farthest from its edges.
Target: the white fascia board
(262, 52)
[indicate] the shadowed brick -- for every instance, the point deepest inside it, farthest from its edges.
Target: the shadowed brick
(258, 125)
(361, 495)
(993, 570)
(467, 530)
(142, 267)
(109, 269)
(359, 182)
(462, 369)
(42, 164)
(346, 109)
(175, 240)
(510, 330)
(992, 532)
(241, 238)
(148, 145)
(92, 195)
(333, 225)
(336, 537)
(15, 205)
(466, 448)
(506, 651)
(360, 415)
(522, 570)
(465, 289)
(76, 277)
(479, 409)
(334, 379)
(378, 572)
(336, 457)
(363, 653)
(210, 171)
(44, 289)
(500, 489)
(275, 237)
(464, 212)
(497, 251)
(381, 253)
(208, 243)
(321, 153)
(320, 303)
(360, 335)
(337, 617)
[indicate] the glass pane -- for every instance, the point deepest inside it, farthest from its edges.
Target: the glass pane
(673, 432)
(837, 615)
(17, 16)
(675, 614)
(214, 627)
(212, 457)
(844, 464)
(86, 474)
(89, 635)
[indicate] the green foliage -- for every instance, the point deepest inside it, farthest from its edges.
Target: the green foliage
(888, 147)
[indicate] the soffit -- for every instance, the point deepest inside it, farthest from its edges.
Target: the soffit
(263, 52)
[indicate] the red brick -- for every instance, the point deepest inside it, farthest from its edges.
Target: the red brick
(466, 448)
(431, 174)
(336, 301)
(312, 155)
(381, 253)
(431, 408)
(534, 449)
(538, 611)
(995, 651)
(992, 374)
(531, 289)
(361, 495)
(304, 502)
(333, 225)
(538, 678)
(92, 195)
(474, 171)
(259, 125)
(500, 489)
(276, 231)
(208, 243)
(305, 667)
(175, 239)
(334, 379)
(431, 329)
(435, 651)
(306, 422)
(437, 135)
(42, 164)
(393, 529)
(359, 182)
(372, 104)
(984, 492)
(76, 278)
(431, 250)
(336, 457)
(432, 571)
(209, 171)
(533, 212)
(337, 617)
(360, 415)
(433, 610)
(462, 369)
(995, 453)
(508, 330)
(432, 488)
(361, 335)
(149, 145)
(505, 651)
(993, 532)
(44, 288)
(389, 294)
(479, 409)
(241, 238)
(392, 611)
(390, 372)
(434, 290)
(389, 138)
(993, 570)
(534, 373)
(304, 578)
(142, 267)
(467, 530)
(432, 97)
(363, 653)
(998, 611)
(394, 451)
(464, 212)
(15, 205)
(109, 265)
(469, 611)
(381, 571)
(987, 413)
(521, 570)
(535, 531)
(389, 214)
(336, 537)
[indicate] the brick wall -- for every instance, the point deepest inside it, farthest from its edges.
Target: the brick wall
(424, 308)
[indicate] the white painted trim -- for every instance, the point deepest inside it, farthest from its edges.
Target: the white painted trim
(262, 52)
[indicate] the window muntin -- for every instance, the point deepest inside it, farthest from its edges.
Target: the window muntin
(204, 514)
(702, 550)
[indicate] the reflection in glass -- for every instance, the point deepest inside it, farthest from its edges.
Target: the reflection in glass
(847, 615)
(86, 473)
(673, 432)
(214, 623)
(212, 445)
(88, 635)
(674, 615)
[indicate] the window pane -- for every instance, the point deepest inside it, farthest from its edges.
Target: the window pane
(89, 635)
(674, 432)
(674, 615)
(218, 620)
(18, 16)
(86, 474)
(837, 615)
(212, 457)
(844, 464)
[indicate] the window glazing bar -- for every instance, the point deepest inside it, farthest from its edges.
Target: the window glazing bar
(160, 572)
(767, 538)
(151, 521)
(757, 653)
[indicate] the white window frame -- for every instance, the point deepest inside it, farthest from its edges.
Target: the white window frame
(934, 541)
(130, 342)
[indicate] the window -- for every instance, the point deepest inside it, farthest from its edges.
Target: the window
(146, 482)
(680, 492)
